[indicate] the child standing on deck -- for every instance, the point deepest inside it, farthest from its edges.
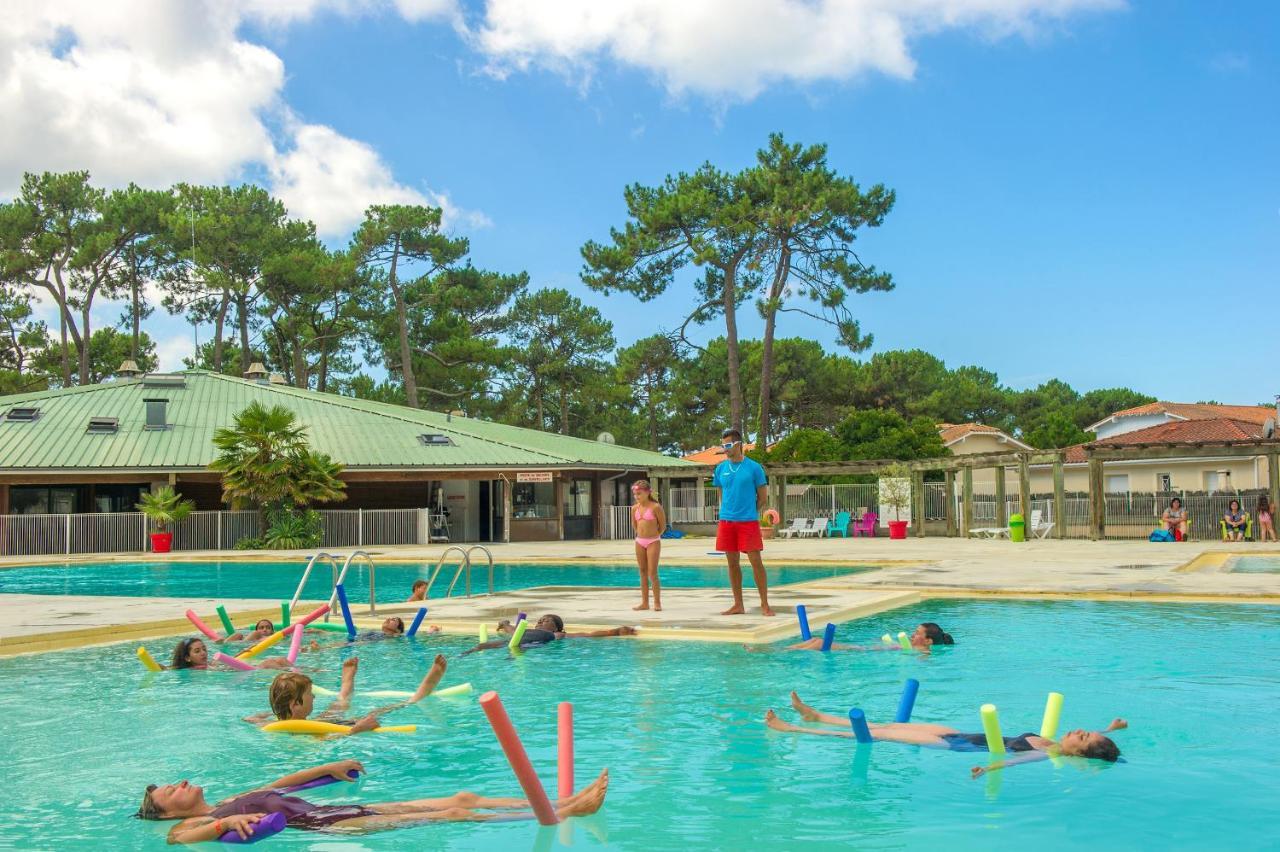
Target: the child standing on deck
(1266, 521)
(648, 520)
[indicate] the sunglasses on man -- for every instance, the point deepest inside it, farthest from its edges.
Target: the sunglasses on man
(729, 445)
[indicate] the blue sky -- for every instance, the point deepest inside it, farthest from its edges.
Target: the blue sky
(1093, 196)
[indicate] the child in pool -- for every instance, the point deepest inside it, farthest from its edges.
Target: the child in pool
(1029, 746)
(418, 592)
(549, 628)
(926, 635)
(292, 697)
(200, 821)
(648, 520)
(192, 653)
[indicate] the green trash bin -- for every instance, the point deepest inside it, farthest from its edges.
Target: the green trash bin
(1017, 528)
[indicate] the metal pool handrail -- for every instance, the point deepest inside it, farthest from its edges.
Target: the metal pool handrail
(489, 556)
(431, 581)
(333, 562)
(342, 576)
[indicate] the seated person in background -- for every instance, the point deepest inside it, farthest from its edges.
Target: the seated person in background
(1175, 519)
(548, 628)
(292, 697)
(1235, 521)
(419, 591)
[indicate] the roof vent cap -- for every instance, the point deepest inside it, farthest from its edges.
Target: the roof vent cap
(257, 371)
(128, 369)
(277, 379)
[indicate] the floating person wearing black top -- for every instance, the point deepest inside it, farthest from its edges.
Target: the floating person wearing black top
(547, 629)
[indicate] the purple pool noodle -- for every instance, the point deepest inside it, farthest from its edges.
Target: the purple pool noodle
(520, 617)
(317, 782)
(417, 621)
(265, 827)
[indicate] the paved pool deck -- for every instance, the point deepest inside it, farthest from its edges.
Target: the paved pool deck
(908, 571)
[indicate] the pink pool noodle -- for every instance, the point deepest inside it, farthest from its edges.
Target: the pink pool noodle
(518, 758)
(307, 619)
(233, 662)
(295, 645)
(202, 627)
(564, 718)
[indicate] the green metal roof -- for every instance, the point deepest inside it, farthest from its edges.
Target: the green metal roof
(358, 433)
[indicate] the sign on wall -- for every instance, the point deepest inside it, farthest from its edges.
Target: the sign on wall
(535, 476)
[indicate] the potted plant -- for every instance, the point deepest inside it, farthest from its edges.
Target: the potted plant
(895, 492)
(163, 508)
(767, 520)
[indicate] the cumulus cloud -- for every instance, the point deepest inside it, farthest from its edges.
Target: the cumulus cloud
(733, 49)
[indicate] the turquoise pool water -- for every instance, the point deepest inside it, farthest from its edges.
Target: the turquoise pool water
(393, 583)
(1255, 565)
(680, 727)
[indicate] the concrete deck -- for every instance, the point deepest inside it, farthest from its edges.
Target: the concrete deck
(909, 571)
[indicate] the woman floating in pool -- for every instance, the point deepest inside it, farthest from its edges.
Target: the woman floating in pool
(648, 520)
(549, 628)
(192, 653)
(926, 635)
(1077, 743)
(292, 696)
(201, 821)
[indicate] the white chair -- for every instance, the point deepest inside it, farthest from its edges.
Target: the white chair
(1039, 527)
(799, 526)
(989, 532)
(818, 529)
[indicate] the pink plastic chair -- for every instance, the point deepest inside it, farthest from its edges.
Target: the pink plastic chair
(866, 524)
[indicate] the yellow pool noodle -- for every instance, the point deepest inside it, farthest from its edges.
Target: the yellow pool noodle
(904, 641)
(311, 726)
(991, 727)
(518, 635)
(459, 689)
(261, 646)
(148, 660)
(886, 639)
(1052, 712)
(484, 633)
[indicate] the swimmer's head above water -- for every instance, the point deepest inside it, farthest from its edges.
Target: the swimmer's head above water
(291, 696)
(550, 623)
(190, 653)
(393, 626)
(929, 633)
(1082, 743)
(171, 801)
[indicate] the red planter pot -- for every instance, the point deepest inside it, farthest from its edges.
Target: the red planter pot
(898, 529)
(161, 542)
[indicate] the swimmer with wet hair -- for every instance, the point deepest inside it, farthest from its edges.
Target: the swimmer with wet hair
(925, 636)
(547, 629)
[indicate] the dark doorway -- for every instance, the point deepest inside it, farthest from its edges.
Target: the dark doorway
(579, 520)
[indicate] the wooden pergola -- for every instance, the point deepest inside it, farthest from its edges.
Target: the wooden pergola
(1096, 454)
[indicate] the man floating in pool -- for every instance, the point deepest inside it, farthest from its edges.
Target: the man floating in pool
(549, 628)
(292, 696)
(926, 635)
(1029, 746)
(201, 822)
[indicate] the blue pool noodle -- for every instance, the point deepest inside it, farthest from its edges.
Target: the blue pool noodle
(803, 616)
(828, 636)
(860, 730)
(346, 611)
(417, 621)
(908, 700)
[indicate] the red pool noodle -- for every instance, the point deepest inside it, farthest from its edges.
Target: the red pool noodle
(518, 758)
(202, 627)
(564, 718)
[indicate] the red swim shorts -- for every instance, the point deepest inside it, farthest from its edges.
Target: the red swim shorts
(739, 537)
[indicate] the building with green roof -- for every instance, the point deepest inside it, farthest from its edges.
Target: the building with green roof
(96, 448)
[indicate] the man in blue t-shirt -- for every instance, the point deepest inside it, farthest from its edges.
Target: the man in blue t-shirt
(743, 494)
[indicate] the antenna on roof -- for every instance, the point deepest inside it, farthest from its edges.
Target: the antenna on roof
(606, 438)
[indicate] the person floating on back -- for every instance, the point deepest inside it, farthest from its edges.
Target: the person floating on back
(743, 494)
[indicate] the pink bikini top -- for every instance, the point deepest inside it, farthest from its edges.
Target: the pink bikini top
(647, 516)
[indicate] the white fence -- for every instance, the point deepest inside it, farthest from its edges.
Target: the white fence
(128, 532)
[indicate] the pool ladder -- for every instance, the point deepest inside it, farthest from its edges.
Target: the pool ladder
(339, 576)
(463, 570)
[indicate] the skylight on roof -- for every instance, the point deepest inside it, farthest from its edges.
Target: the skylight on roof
(434, 440)
(21, 415)
(103, 426)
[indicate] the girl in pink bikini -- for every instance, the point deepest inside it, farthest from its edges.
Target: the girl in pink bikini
(649, 521)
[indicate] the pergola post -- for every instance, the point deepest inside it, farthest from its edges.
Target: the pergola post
(1059, 500)
(1097, 500)
(966, 509)
(1024, 489)
(949, 510)
(1002, 510)
(782, 502)
(917, 501)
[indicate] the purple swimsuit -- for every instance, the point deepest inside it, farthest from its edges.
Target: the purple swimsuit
(299, 813)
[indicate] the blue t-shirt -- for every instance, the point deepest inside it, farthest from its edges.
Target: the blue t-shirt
(738, 484)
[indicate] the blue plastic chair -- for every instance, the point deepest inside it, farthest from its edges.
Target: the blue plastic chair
(840, 524)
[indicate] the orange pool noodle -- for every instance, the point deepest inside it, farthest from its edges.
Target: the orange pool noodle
(564, 718)
(518, 758)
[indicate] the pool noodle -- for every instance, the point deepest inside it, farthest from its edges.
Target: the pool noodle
(295, 645)
(316, 727)
(484, 633)
(858, 721)
(1052, 713)
(991, 727)
(234, 662)
(521, 627)
(564, 742)
(518, 758)
(904, 642)
(226, 620)
(148, 660)
(908, 700)
(520, 616)
(264, 644)
(456, 689)
(802, 615)
(265, 827)
(886, 639)
(417, 621)
(828, 636)
(204, 628)
(284, 615)
(319, 782)
(332, 628)
(346, 610)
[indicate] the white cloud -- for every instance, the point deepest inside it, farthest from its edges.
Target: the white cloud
(736, 48)
(171, 350)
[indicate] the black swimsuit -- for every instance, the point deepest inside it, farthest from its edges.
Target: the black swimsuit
(978, 742)
(534, 636)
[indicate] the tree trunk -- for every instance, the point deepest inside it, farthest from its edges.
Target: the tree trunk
(219, 324)
(766, 353)
(537, 391)
(322, 372)
(84, 341)
(402, 320)
(653, 424)
(564, 410)
(133, 300)
(242, 315)
(731, 339)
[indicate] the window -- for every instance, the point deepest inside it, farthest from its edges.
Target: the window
(1164, 481)
(102, 425)
(533, 500)
(1117, 483)
(21, 415)
(577, 499)
(156, 413)
(1217, 480)
(434, 440)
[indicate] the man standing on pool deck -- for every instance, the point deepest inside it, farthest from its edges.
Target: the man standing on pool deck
(743, 494)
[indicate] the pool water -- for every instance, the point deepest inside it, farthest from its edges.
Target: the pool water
(680, 727)
(393, 581)
(1254, 565)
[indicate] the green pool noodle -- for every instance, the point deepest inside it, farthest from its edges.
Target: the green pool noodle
(519, 634)
(904, 642)
(324, 625)
(991, 727)
(284, 616)
(226, 620)
(484, 633)
(1052, 712)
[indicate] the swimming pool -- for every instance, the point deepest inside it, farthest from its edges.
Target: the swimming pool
(680, 727)
(1254, 565)
(278, 580)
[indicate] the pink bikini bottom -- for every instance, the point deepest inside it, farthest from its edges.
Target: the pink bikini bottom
(645, 542)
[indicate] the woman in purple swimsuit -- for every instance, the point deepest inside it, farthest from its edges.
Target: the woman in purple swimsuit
(201, 821)
(648, 520)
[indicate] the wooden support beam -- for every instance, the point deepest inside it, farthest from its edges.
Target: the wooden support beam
(1024, 491)
(917, 501)
(1002, 509)
(949, 510)
(1059, 501)
(782, 501)
(1097, 500)
(966, 510)
(1141, 452)
(1273, 482)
